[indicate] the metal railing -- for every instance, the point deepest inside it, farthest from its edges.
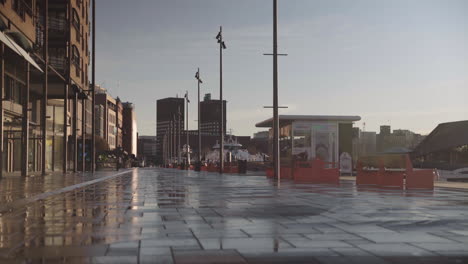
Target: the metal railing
(22, 9)
(59, 63)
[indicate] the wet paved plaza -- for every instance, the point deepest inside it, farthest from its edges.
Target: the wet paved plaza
(171, 216)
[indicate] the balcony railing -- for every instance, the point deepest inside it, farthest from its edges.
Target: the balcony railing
(22, 9)
(59, 63)
(57, 24)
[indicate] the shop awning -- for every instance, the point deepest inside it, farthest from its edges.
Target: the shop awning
(18, 49)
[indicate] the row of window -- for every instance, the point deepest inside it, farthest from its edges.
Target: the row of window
(13, 89)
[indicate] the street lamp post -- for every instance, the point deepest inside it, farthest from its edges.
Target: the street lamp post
(275, 93)
(199, 81)
(222, 46)
(93, 92)
(187, 101)
(178, 135)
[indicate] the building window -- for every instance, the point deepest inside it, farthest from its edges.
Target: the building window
(23, 8)
(76, 59)
(13, 90)
(76, 25)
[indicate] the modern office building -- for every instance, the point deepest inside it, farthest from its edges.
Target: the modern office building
(33, 104)
(209, 115)
(109, 129)
(170, 115)
(129, 129)
(400, 140)
(364, 143)
(147, 149)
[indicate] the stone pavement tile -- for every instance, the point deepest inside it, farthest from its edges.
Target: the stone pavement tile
(307, 243)
(161, 259)
(351, 260)
(208, 257)
(130, 244)
(332, 236)
(461, 254)
(460, 232)
(318, 251)
(395, 249)
(66, 251)
(406, 237)
(428, 260)
(219, 234)
(132, 251)
(362, 228)
(155, 251)
(244, 243)
(170, 242)
(280, 257)
(351, 252)
(443, 247)
(114, 260)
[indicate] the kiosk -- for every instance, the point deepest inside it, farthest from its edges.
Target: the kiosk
(306, 137)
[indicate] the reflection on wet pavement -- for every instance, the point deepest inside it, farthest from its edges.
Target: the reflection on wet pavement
(166, 216)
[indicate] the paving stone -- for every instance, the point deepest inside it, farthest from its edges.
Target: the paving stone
(208, 257)
(158, 212)
(395, 249)
(407, 237)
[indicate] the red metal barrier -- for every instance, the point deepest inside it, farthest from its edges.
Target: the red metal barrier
(234, 169)
(270, 173)
(391, 179)
(316, 172)
(366, 177)
(204, 168)
(286, 173)
(420, 179)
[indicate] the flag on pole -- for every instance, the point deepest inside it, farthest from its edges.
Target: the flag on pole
(186, 97)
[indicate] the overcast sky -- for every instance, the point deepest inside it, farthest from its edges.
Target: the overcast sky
(398, 62)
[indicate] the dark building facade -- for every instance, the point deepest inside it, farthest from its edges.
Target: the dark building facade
(209, 116)
(129, 129)
(147, 149)
(169, 120)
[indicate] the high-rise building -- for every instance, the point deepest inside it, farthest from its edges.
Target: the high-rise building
(170, 120)
(210, 116)
(147, 149)
(112, 114)
(129, 129)
(401, 140)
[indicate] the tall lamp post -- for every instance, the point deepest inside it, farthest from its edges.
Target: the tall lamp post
(222, 46)
(93, 92)
(199, 81)
(187, 101)
(275, 93)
